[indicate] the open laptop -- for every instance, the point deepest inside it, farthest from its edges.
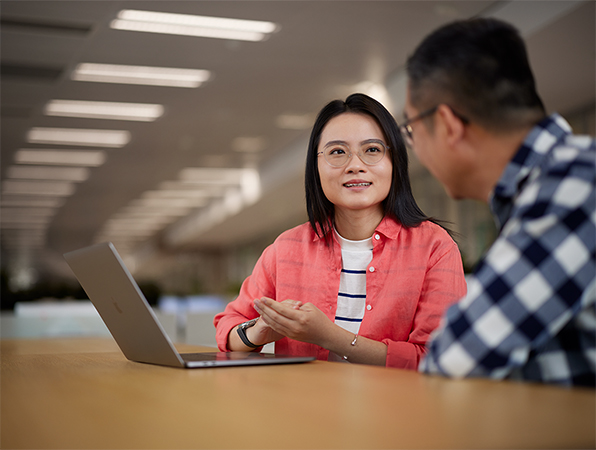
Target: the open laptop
(130, 319)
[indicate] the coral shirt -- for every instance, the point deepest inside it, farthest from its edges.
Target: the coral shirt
(414, 275)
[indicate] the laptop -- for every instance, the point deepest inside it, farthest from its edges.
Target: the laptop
(132, 323)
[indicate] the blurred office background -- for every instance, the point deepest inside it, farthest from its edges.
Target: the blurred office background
(136, 122)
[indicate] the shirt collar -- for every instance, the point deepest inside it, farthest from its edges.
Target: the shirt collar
(388, 227)
(537, 144)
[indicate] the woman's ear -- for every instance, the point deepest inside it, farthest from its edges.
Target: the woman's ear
(453, 127)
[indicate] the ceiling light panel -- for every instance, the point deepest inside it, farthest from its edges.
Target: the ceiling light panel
(190, 194)
(45, 188)
(144, 75)
(192, 25)
(171, 202)
(140, 112)
(31, 201)
(211, 176)
(86, 158)
(48, 173)
(76, 136)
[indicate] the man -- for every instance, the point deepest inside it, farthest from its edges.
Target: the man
(474, 119)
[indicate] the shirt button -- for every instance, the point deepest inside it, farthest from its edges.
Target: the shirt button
(368, 307)
(371, 269)
(377, 237)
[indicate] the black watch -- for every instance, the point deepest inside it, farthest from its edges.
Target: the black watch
(242, 332)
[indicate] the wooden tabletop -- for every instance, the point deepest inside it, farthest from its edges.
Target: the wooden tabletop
(83, 393)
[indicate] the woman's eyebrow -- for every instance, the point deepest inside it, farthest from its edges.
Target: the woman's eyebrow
(336, 142)
(344, 143)
(372, 141)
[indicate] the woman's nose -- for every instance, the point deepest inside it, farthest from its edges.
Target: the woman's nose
(354, 163)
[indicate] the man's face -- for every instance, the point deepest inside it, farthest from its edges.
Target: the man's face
(430, 147)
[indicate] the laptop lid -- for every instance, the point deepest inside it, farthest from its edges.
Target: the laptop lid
(131, 321)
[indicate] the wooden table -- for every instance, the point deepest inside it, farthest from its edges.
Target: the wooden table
(82, 393)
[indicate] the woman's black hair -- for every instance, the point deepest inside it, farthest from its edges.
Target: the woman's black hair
(399, 204)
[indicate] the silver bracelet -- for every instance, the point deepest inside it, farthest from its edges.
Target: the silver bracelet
(353, 344)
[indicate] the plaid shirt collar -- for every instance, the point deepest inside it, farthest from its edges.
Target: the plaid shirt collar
(538, 142)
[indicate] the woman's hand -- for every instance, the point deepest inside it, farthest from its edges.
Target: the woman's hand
(262, 333)
(307, 323)
(301, 322)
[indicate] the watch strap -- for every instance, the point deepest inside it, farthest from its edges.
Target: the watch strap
(242, 333)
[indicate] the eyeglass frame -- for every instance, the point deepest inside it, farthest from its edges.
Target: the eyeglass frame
(406, 129)
(385, 146)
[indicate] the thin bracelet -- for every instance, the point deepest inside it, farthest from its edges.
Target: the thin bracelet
(353, 344)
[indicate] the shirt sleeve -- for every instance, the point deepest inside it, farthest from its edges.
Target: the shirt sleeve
(258, 284)
(444, 284)
(529, 285)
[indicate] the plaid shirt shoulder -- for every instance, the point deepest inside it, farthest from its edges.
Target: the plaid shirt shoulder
(530, 308)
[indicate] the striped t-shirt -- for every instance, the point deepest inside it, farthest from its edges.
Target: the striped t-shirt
(351, 298)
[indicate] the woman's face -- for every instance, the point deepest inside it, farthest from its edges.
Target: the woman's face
(355, 186)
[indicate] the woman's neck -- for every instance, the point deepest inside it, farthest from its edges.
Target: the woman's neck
(357, 225)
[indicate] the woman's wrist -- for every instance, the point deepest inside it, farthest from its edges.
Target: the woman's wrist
(255, 336)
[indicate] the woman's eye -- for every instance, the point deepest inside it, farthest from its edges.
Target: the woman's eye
(337, 151)
(373, 149)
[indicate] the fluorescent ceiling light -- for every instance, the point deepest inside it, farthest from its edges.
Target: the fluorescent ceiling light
(192, 25)
(141, 112)
(191, 194)
(156, 211)
(152, 76)
(192, 187)
(86, 158)
(48, 173)
(295, 121)
(27, 212)
(29, 226)
(25, 220)
(31, 201)
(248, 144)
(211, 176)
(76, 136)
(47, 188)
(171, 202)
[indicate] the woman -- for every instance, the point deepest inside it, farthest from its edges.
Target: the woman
(369, 277)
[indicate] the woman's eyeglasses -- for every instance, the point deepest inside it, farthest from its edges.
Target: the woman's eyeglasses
(338, 154)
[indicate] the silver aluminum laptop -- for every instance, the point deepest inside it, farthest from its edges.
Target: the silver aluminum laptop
(130, 319)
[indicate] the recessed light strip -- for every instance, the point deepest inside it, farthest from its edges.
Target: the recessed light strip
(142, 112)
(45, 188)
(79, 136)
(48, 173)
(193, 25)
(144, 75)
(84, 158)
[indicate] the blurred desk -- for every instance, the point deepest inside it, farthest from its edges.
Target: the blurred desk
(83, 393)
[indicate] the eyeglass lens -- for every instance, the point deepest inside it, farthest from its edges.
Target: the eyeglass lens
(406, 134)
(370, 154)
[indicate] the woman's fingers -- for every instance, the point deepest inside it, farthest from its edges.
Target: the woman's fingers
(279, 316)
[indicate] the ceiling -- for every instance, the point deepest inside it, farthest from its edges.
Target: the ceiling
(252, 114)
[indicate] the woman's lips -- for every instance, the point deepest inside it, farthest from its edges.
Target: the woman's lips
(357, 183)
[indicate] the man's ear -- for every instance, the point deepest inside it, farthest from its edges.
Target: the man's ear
(453, 127)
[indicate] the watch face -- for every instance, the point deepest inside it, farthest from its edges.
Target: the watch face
(249, 324)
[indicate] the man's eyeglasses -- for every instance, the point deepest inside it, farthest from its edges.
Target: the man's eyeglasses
(406, 129)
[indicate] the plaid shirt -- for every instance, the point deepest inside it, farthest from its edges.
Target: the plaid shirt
(530, 309)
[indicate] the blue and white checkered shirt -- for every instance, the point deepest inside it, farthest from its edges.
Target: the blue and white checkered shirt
(530, 309)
